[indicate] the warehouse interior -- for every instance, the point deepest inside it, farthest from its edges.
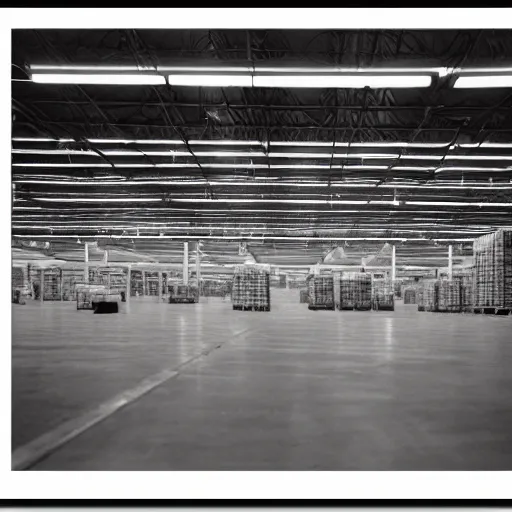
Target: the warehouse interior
(261, 249)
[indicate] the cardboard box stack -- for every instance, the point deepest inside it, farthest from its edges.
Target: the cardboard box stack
(493, 270)
(448, 296)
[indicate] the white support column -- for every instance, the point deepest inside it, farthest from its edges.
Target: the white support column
(198, 268)
(144, 291)
(185, 262)
(450, 262)
(159, 286)
(393, 265)
(128, 282)
(86, 262)
(61, 285)
(105, 257)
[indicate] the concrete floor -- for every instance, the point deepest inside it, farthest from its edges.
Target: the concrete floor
(292, 389)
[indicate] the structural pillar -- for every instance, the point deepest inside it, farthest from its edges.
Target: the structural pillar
(393, 265)
(105, 257)
(128, 282)
(86, 262)
(198, 268)
(450, 262)
(185, 262)
(61, 285)
(159, 286)
(41, 287)
(143, 283)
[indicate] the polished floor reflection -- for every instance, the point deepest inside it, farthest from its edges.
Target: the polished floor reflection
(287, 390)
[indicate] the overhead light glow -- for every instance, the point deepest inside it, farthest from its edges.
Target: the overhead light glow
(98, 79)
(211, 80)
(342, 81)
(99, 199)
(90, 68)
(486, 81)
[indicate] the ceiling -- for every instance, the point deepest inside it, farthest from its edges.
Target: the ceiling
(299, 170)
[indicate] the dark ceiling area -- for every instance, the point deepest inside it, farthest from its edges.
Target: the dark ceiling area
(293, 171)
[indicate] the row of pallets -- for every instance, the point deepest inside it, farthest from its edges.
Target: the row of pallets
(355, 291)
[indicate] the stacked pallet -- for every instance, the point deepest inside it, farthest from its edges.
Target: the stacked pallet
(430, 295)
(466, 279)
(70, 278)
(321, 292)
(183, 293)
(355, 290)
(448, 296)
(304, 297)
(409, 295)
(251, 288)
(87, 294)
(52, 284)
(383, 295)
(493, 270)
(419, 297)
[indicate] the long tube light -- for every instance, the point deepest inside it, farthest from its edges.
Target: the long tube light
(249, 238)
(227, 142)
(99, 199)
(342, 81)
(98, 79)
(211, 80)
(486, 81)
(249, 154)
(260, 166)
(262, 183)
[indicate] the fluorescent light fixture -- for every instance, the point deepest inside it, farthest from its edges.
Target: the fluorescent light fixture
(90, 68)
(374, 71)
(98, 199)
(486, 81)
(473, 169)
(283, 201)
(262, 238)
(454, 203)
(211, 69)
(211, 80)
(39, 139)
(342, 81)
(133, 141)
(366, 156)
(223, 142)
(98, 79)
(478, 157)
(256, 154)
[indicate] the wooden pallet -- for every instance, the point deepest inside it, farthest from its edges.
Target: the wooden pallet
(384, 307)
(492, 311)
(317, 307)
(177, 300)
(251, 308)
